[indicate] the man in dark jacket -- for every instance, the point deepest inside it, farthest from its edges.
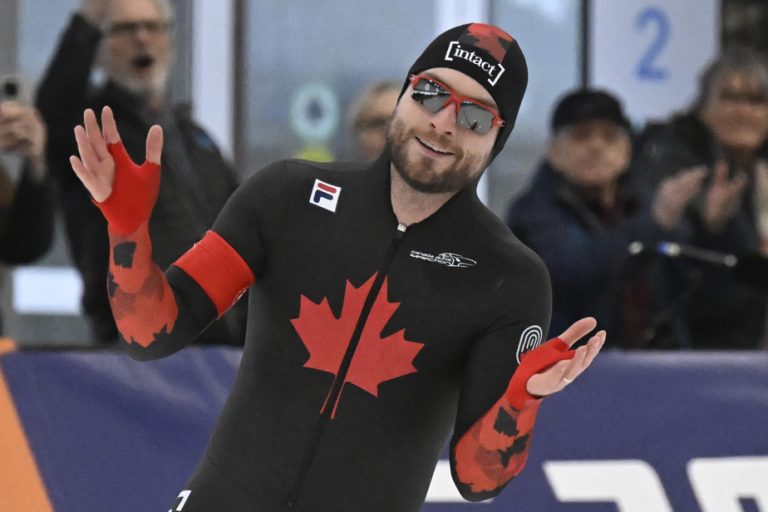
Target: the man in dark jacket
(594, 234)
(131, 40)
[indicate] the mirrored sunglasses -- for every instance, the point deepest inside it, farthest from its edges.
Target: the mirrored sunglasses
(470, 113)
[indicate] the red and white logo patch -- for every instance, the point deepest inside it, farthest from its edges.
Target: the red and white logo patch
(325, 195)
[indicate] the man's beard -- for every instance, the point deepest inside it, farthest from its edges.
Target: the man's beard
(153, 86)
(419, 173)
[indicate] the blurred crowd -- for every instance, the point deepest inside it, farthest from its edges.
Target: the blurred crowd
(647, 231)
(660, 231)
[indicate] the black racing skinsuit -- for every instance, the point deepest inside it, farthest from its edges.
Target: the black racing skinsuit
(367, 346)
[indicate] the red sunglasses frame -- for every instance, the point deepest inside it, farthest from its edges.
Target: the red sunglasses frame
(458, 99)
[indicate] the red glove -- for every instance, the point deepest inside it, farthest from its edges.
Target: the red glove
(134, 192)
(533, 362)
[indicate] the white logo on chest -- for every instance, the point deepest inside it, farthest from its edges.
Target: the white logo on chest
(449, 259)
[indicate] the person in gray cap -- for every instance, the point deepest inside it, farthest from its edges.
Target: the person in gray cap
(389, 311)
(595, 233)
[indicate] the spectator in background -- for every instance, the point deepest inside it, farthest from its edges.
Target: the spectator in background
(725, 132)
(132, 41)
(743, 24)
(584, 220)
(26, 206)
(368, 118)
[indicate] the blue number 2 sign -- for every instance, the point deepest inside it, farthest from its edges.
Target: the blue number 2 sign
(648, 68)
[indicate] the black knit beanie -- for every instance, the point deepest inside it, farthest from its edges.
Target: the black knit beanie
(491, 57)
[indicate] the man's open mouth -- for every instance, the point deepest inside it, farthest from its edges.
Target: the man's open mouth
(143, 62)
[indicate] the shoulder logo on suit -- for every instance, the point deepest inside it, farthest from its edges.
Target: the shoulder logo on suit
(529, 340)
(325, 195)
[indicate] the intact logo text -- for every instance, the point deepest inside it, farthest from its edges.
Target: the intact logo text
(494, 71)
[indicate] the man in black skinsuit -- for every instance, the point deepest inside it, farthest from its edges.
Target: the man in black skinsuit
(389, 310)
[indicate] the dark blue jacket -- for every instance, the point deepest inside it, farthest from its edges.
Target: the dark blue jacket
(593, 272)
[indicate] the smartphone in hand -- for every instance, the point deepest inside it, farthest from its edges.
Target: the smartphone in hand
(15, 88)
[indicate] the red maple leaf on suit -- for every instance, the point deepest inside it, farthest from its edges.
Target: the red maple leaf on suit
(327, 338)
(491, 39)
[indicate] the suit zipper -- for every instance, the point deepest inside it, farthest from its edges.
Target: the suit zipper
(338, 384)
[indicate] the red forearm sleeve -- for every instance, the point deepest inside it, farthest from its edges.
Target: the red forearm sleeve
(495, 448)
(142, 301)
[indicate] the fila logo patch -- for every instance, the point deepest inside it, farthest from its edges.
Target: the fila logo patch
(325, 195)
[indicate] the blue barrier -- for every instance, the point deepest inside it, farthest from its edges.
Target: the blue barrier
(641, 430)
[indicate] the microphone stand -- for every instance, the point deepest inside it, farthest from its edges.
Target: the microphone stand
(750, 268)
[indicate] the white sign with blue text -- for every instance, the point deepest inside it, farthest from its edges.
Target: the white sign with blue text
(650, 53)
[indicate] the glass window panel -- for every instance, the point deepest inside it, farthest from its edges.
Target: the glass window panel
(303, 65)
(549, 33)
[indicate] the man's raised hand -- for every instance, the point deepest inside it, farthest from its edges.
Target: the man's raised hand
(96, 167)
(124, 191)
